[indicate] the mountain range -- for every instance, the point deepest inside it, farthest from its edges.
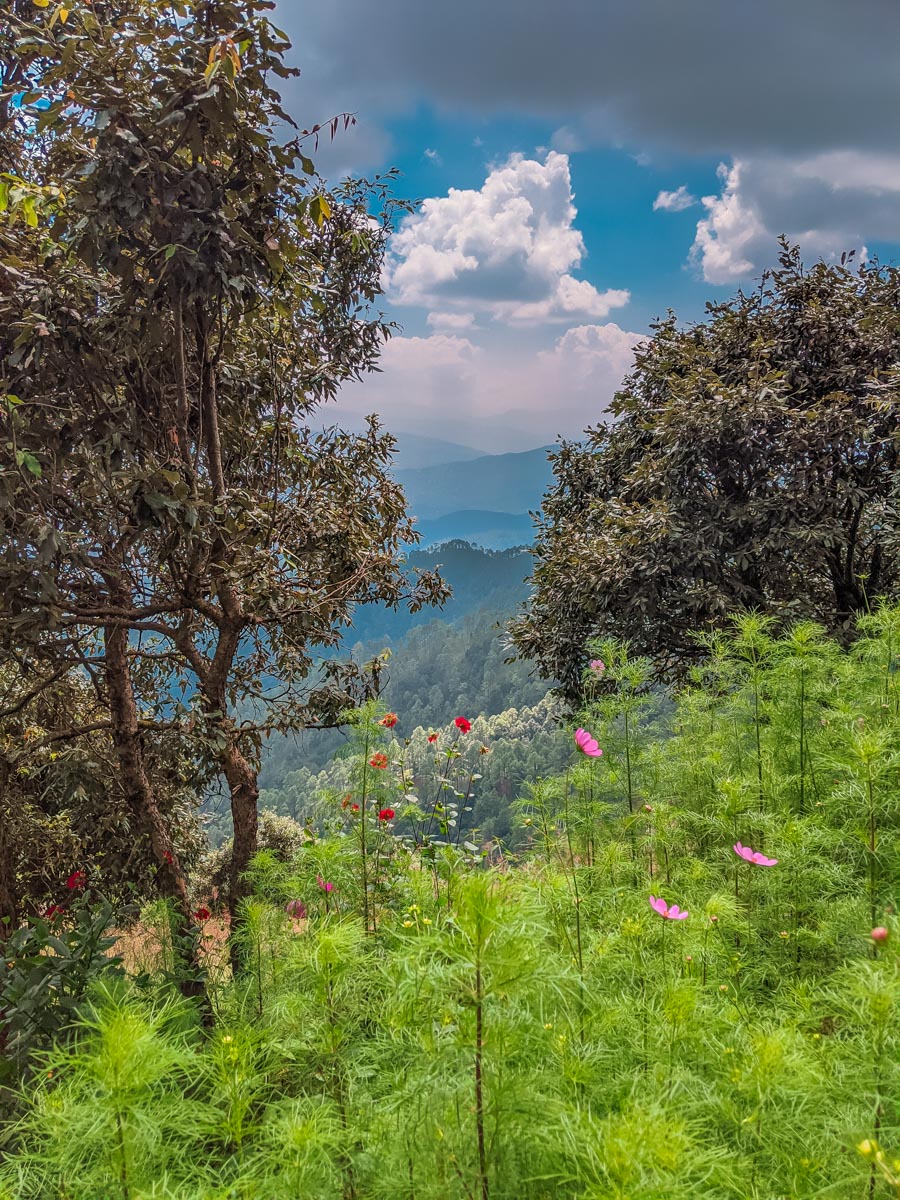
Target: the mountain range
(484, 499)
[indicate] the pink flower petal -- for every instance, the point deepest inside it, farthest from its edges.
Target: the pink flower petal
(587, 744)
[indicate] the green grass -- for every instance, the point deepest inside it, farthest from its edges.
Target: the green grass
(449, 1023)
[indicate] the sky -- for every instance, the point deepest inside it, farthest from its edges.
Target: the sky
(584, 166)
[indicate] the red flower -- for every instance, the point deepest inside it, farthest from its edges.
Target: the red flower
(167, 857)
(202, 914)
(432, 737)
(345, 803)
(462, 724)
(55, 910)
(389, 720)
(386, 814)
(76, 881)
(379, 761)
(354, 808)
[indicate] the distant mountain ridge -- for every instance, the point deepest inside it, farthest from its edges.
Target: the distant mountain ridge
(497, 483)
(489, 530)
(495, 580)
(421, 453)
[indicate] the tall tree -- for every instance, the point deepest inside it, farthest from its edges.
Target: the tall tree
(178, 294)
(751, 463)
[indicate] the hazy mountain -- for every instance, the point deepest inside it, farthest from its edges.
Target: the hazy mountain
(493, 580)
(502, 483)
(491, 530)
(414, 452)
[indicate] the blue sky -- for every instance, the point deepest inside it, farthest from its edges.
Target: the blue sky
(585, 166)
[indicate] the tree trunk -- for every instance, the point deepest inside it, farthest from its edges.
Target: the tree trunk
(142, 802)
(244, 786)
(9, 902)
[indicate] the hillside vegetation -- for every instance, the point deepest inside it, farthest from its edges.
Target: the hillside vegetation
(685, 985)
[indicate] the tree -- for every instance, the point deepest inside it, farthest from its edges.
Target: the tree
(751, 463)
(178, 293)
(63, 809)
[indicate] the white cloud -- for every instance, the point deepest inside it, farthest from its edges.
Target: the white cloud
(590, 352)
(455, 320)
(729, 238)
(433, 156)
(506, 250)
(827, 203)
(508, 399)
(676, 201)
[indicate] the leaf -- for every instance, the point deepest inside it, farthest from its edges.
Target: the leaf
(29, 462)
(319, 210)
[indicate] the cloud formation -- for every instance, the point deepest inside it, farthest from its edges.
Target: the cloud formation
(506, 250)
(828, 202)
(676, 201)
(700, 76)
(447, 386)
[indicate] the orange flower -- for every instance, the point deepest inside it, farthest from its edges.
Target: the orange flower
(389, 720)
(378, 761)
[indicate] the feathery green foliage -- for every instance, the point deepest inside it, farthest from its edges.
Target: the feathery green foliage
(494, 1028)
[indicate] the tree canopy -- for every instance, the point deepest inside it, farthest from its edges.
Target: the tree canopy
(750, 463)
(178, 292)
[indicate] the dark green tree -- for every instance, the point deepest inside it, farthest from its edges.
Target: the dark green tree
(750, 463)
(178, 293)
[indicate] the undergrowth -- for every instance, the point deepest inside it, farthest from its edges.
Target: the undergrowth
(422, 1016)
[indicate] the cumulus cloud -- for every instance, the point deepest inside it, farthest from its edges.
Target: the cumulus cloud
(827, 202)
(433, 156)
(506, 250)
(447, 386)
(676, 201)
(731, 237)
(451, 320)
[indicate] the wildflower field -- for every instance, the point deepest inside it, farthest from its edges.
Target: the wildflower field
(682, 982)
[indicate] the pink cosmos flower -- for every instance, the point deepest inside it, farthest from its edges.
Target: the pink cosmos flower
(587, 744)
(753, 856)
(326, 887)
(879, 934)
(295, 909)
(670, 912)
(598, 666)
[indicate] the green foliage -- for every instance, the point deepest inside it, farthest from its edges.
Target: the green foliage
(50, 964)
(522, 743)
(751, 464)
(63, 805)
(175, 523)
(536, 1028)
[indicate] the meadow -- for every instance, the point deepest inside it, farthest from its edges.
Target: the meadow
(684, 983)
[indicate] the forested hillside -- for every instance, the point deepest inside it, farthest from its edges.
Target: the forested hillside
(439, 668)
(492, 580)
